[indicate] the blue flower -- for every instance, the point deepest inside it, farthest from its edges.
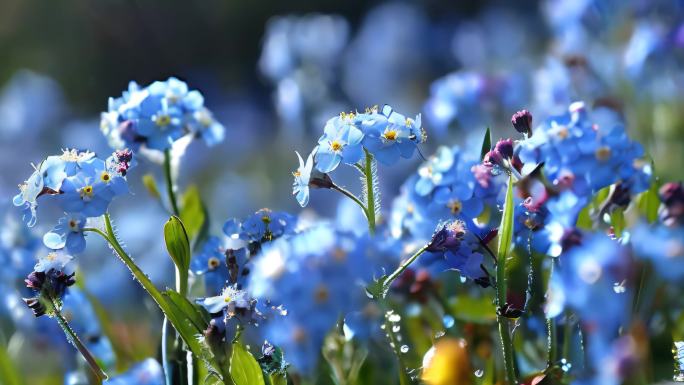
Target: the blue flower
(68, 233)
(663, 246)
(158, 115)
(147, 372)
(90, 190)
(220, 266)
(586, 155)
(54, 260)
(318, 277)
(341, 141)
(302, 176)
(233, 303)
(390, 135)
(263, 225)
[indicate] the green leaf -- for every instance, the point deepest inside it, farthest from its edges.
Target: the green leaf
(278, 379)
(617, 220)
(178, 246)
(212, 379)
(9, 375)
(584, 221)
(193, 212)
(244, 369)
(151, 186)
(195, 314)
(486, 143)
(649, 201)
(470, 309)
(506, 228)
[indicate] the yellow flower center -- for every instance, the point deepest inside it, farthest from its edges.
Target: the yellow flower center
(390, 134)
(563, 133)
(335, 145)
(227, 299)
(455, 206)
(162, 120)
(213, 263)
(51, 257)
(339, 254)
(105, 177)
(602, 153)
(297, 174)
(321, 294)
(409, 122)
(73, 224)
(86, 192)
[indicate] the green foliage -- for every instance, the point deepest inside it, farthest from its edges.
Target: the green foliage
(506, 228)
(244, 369)
(151, 186)
(8, 372)
(649, 201)
(193, 213)
(178, 246)
(467, 308)
(486, 143)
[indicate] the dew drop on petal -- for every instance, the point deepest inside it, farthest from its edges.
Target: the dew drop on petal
(479, 373)
(404, 348)
(396, 328)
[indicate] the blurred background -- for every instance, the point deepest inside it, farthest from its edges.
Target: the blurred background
(273, 72)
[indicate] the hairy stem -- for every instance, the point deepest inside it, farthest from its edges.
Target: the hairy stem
(73, 338)
(370, 192)
(351, 196)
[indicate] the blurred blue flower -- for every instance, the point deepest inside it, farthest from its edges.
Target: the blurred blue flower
(147, 372)
(54, 260)
(263, 225)
(586, 155)
(663, 246)
(158, 115)
(334, 286)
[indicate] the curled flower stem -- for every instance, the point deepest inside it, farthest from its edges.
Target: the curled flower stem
(351, 196)
(390, 278)
(370, 192)
(73, 338)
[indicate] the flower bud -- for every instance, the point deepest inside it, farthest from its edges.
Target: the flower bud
(522, 122)
(447, 237)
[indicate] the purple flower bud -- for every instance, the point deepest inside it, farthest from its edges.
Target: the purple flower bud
(320, 180)
(571, 237)
(505, 148)
(447, 237)
(522, 122)
(672, 196)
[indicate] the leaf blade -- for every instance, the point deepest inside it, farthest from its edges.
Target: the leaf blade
(244, 368)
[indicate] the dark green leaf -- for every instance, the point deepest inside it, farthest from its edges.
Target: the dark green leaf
(196, 315)
(486, 143)
(617, 220)
(193, 212)
(244, 369)
(151, 186)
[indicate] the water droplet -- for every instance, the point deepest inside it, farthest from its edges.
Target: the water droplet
(448, 321)
(393, 317)
(382, 326)
(440, 334)
(404, 348)
(479, 373)
(463, 279)
(396, 328)
(619, 287)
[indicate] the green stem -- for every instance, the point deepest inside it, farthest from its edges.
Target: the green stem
(394, 343)
(181, 284)
(73, 338)
(551, 326)
(351, 196)
(370, 192)
(501, 299)
(567, 337)
(390, 278)
(170, 188)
